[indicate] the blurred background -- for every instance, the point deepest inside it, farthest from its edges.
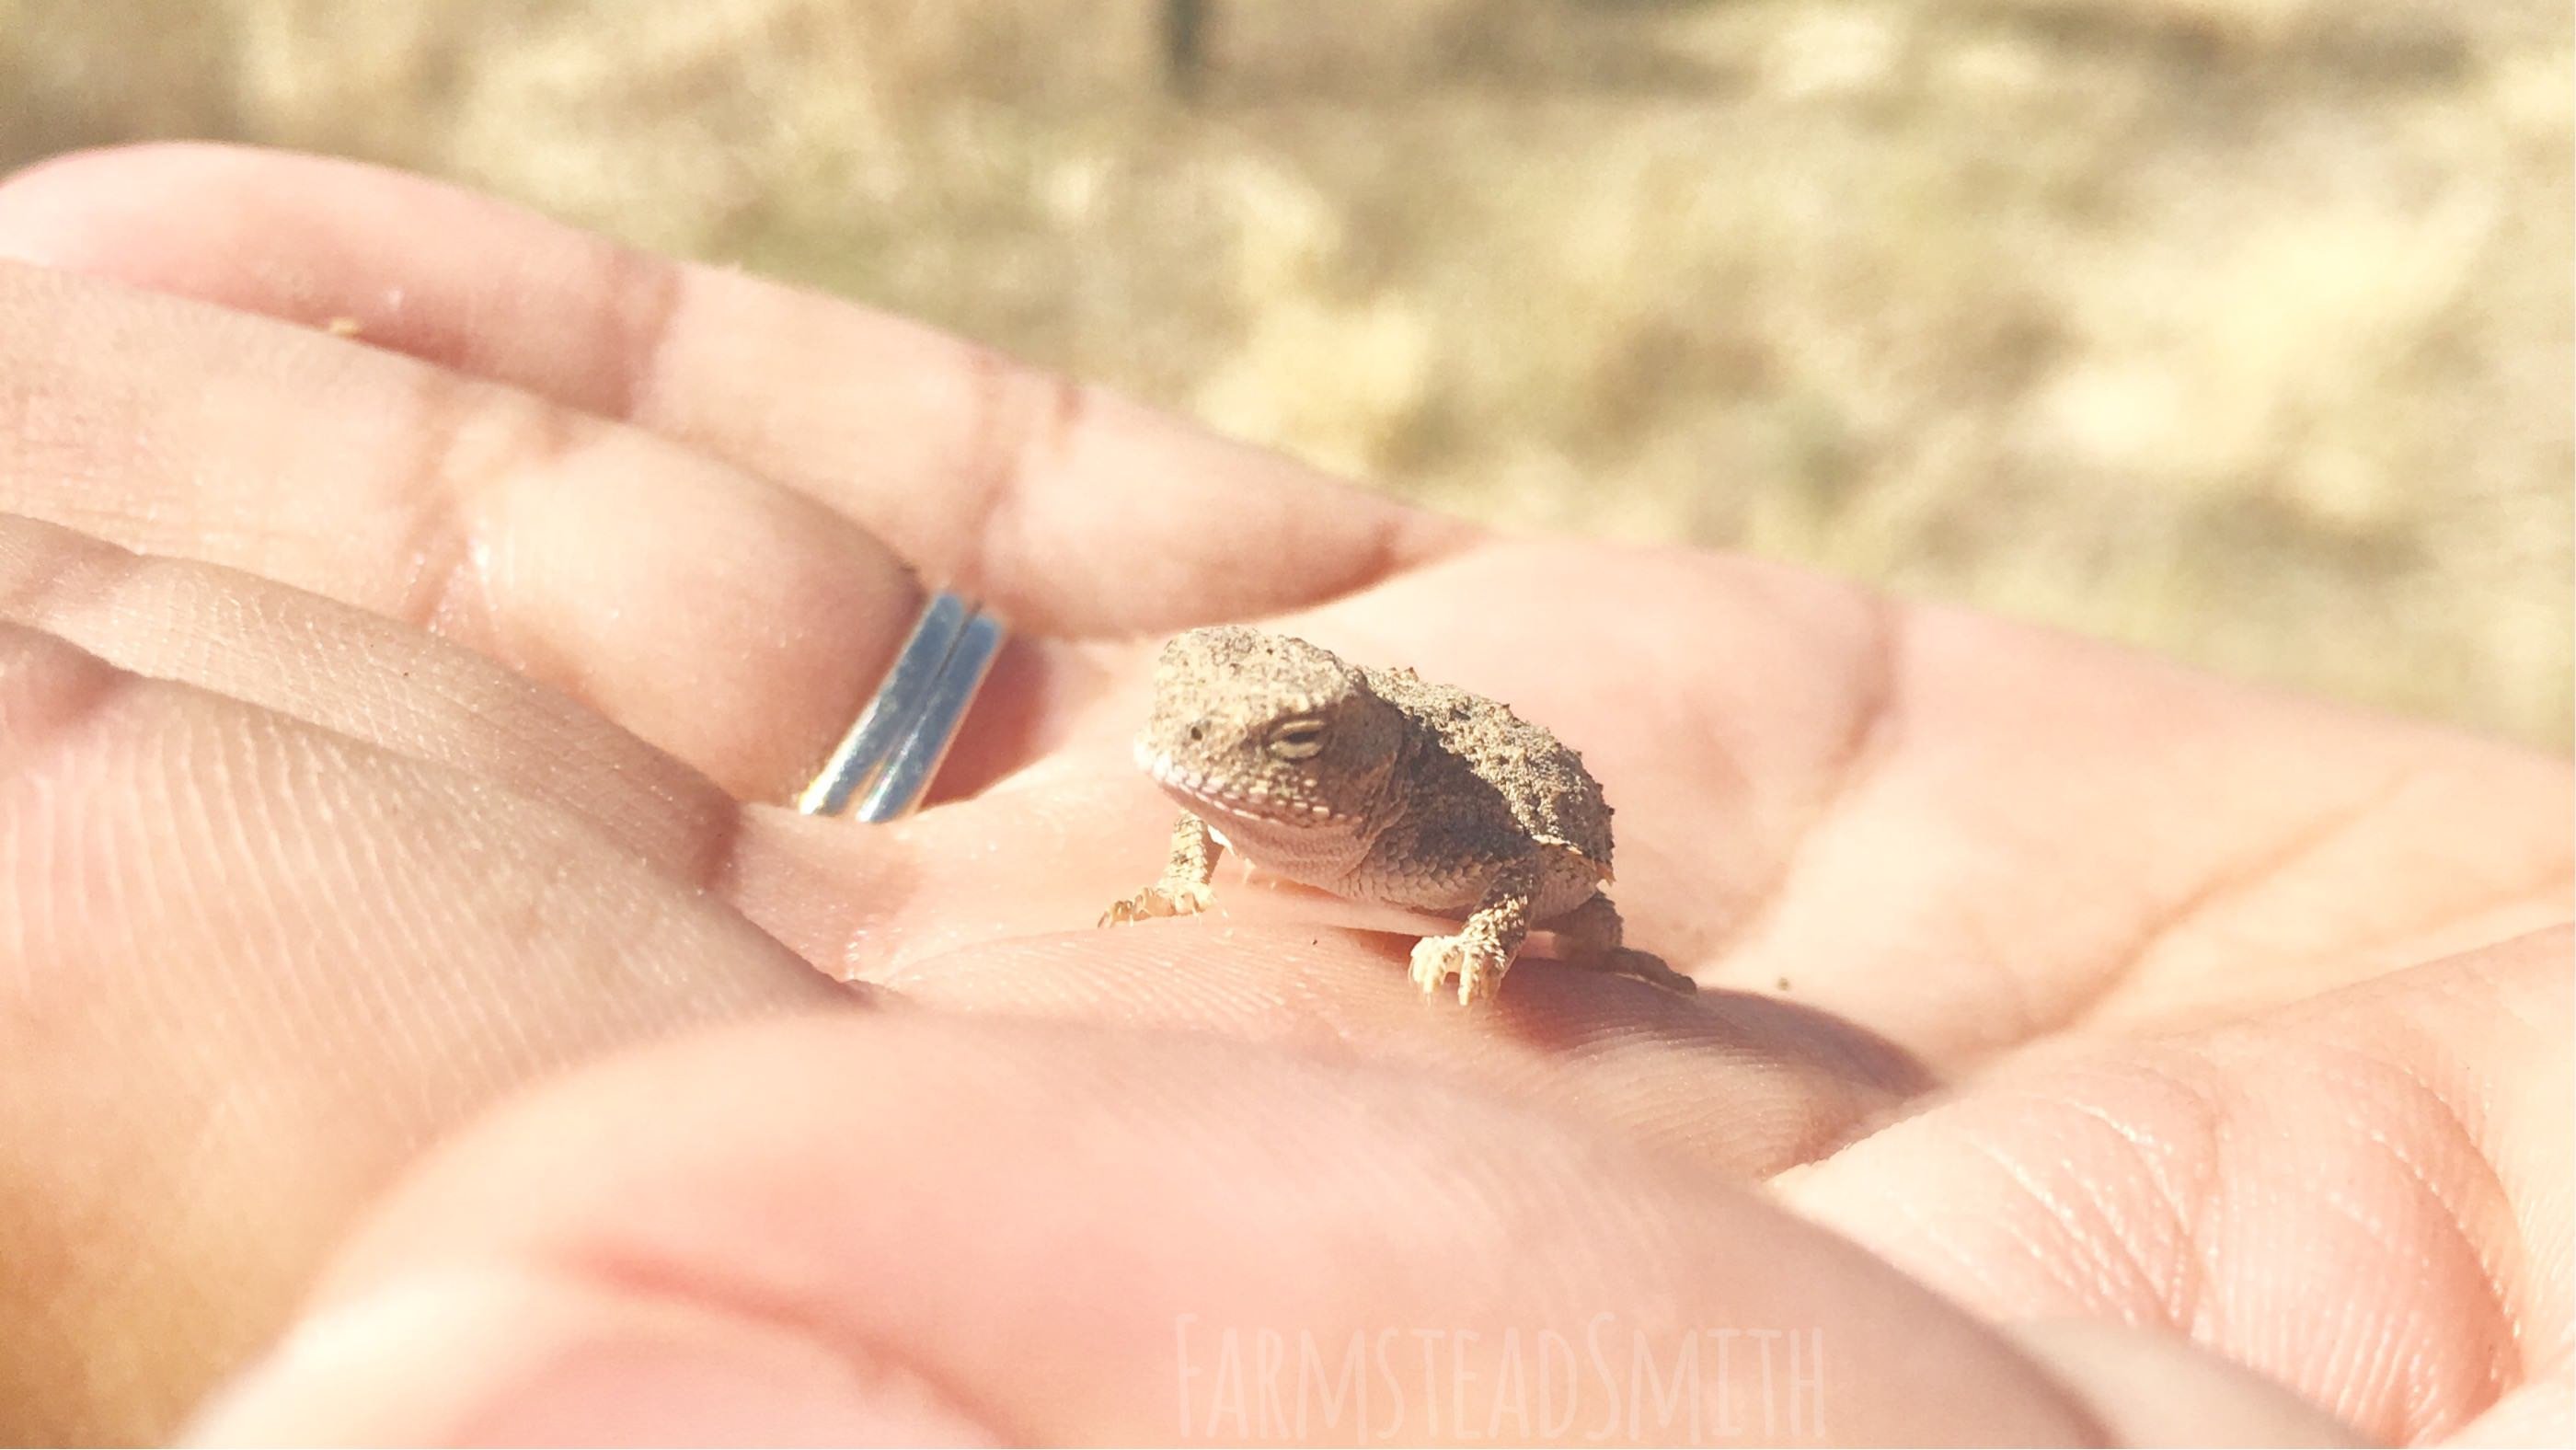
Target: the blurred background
(2238, 329)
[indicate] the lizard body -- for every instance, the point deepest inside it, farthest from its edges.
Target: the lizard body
(1380, 786)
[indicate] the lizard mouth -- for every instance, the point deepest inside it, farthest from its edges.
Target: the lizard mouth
(1252, 802)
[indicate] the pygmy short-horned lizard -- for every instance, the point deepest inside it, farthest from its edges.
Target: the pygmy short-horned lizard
(1381, 787)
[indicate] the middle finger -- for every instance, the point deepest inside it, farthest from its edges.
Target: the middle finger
(735, 623)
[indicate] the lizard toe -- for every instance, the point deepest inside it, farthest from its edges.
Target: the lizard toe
(1480, 976)
(1435, 960)
(1477, 966)
(1649, 968)
(1186, 898)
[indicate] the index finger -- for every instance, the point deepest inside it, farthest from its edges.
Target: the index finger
(1068, 509)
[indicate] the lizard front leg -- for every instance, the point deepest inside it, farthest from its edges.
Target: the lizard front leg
(1188, 877)
(1483, 949)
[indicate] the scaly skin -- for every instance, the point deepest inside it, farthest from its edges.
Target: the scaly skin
(1382, 788)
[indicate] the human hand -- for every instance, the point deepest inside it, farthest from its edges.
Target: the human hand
(2066, 983)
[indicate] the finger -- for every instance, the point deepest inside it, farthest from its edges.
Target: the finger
(1082, 1221)
(252, 967)
(1071, 510)
(816, 886)
(734, 623)
(365, 677)
(2365, 1200)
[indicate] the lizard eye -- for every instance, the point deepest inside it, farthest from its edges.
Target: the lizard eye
(1297, 739)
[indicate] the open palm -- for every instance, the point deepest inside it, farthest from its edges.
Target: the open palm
(394, 729)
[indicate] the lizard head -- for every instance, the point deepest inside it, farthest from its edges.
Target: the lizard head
(1267, 736)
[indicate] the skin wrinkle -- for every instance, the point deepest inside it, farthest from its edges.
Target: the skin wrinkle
(42, 588)
(2508, 1309)
(2123, 1238)
(52, 695)
(1868, 740)
(438, 545)
(1400, 543)
(2070, 1225)
(2371, 1376)
(643, 298)
(451, 592)
(2376, 1069)
(2181, 1290)
(1020, 418)
(2188, 1296)
(75, 693)
(1012, 414)
(2228, 885)
(2252, 1334)
(2469, 1139)
(2545, 890)
(2504, 1369)
(2412, 1379)
(1986, 1275)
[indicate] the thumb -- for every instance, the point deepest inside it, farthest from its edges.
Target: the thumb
(925, 1228)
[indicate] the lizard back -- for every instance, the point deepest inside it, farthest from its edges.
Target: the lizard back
(1543, 780)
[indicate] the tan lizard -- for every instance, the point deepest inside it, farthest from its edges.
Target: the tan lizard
(1381, 787)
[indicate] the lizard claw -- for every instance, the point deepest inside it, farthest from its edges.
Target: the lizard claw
(1435, 960)
(1478, 968)
(1170, 898)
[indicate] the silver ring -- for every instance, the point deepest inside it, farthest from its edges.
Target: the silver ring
(894, 748)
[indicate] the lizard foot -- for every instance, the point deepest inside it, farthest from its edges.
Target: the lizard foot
(1647, 967)
(1478, 966)
(1169, 898)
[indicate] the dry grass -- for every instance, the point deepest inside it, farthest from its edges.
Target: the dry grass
(2237, 328)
